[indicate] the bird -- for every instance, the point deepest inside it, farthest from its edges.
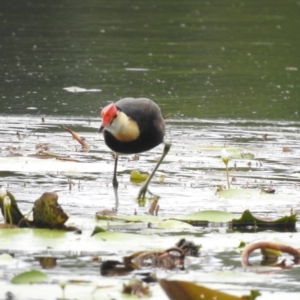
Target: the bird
(131, 126)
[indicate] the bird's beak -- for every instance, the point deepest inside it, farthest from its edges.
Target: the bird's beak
(101, 128)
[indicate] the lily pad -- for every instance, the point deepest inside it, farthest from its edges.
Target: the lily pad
(29, 277)
(34, 239)
(120, 241)
(134, 218)
(136, 176)
(202, 218)
(6, 259)
(270, 253)
(247, 219)
(178, 290)
(98, 229)
(172, 224)
(242, 155)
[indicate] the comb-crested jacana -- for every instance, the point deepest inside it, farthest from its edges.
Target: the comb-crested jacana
(133, 125)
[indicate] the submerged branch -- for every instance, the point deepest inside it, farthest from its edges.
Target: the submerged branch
(76, 137)
(268, 245)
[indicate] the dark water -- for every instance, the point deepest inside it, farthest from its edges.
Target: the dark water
(200, 59)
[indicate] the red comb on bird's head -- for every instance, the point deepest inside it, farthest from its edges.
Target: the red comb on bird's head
(108, 113)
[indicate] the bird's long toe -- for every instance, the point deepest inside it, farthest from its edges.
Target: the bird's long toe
(142, 192)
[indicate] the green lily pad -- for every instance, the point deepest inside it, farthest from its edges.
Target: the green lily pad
(29, 277)
(136, 176)
(98, 229)
(6, 259)
(241, 155)
(247, 219)
(120, 241)
(239, 193)
(202, 218)
(34, 239)
(172, 224)
(270, 253)
(134, 218)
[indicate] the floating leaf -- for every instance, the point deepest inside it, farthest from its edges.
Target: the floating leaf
(270, 253)
(134, 218)
(240, 194)
(203, 217)
(242, 155)
(178, 290)
(121, 241)
(172, 224)
(136, 176)
(118, 236)
(29, 277)
(98, 229)
(6, 259)
(247, 219)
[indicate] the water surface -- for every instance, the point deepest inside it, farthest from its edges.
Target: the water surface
(227, 71)
(213, 59)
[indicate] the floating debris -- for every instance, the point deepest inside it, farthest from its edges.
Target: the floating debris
(76, 89)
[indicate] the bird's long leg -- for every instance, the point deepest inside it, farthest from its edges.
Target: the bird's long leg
(144, 188)
(115, 180)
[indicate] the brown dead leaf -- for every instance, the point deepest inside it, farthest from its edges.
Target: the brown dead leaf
(47, 212)
(76, 137)
(286, 149)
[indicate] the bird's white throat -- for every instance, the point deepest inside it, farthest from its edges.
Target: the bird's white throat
(123, 128)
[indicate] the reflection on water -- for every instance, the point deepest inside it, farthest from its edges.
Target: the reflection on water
(213, 59)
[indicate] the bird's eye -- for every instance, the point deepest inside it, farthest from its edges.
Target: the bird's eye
(113, 118)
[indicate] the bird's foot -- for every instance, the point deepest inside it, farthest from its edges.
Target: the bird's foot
(142, 193)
